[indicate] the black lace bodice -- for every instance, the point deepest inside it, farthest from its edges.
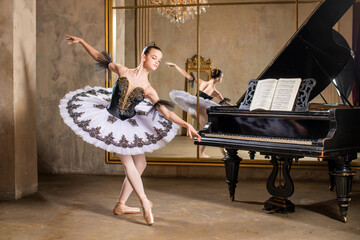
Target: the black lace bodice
(122, 103)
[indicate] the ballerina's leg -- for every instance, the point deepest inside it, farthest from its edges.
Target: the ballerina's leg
(134, 178)
(126, 189)
(203, 119)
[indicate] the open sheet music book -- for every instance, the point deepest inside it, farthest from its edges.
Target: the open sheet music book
(273, 94)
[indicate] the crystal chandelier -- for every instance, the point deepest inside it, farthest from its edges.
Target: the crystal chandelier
(178, 14)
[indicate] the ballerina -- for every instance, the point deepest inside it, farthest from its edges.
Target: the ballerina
(207, 92)
(128, 119)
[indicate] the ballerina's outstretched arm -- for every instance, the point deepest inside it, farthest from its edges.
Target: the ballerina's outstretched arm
(183, 72)
(101, 57)
(151, 94)
(223, 100)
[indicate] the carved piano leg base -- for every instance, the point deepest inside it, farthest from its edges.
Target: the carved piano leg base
(232, 161)
(343, 176)
(343, 211)
(279, 205)
(231, 186)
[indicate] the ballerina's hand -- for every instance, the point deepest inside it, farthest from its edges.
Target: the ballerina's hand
(170, 64)
(72, 39)
(192, 131)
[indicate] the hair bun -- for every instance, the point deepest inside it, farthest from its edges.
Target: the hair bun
(215, 72)
(152, 43)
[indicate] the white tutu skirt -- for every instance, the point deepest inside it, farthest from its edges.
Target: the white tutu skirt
(84, 111)
(188, 102)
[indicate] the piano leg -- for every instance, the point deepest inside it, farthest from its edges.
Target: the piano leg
(279, 202)
(232, 161)
(331, 167)
(343, 175)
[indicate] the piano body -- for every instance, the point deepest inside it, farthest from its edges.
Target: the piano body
(331, 134)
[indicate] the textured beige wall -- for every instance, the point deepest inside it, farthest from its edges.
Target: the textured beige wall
(18, 174)
(7, 135)
(24, 53)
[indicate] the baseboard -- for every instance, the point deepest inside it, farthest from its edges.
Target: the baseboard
(19, 193)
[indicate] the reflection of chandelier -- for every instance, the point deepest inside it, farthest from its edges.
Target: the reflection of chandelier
(178, 14)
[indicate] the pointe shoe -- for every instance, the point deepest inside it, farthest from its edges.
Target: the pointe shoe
(148, 215)
(123, 209)
(204, 156)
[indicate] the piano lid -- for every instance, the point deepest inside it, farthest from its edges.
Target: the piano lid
(345, 80)
(312, 51)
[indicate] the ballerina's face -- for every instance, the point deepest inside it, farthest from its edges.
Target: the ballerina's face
(152, 59)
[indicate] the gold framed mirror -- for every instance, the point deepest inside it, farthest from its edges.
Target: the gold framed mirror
(133, 23)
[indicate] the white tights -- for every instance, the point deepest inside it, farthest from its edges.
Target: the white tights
(134, 166)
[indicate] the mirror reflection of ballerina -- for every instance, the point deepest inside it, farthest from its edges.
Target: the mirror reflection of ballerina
(128, 119)
(207, 92)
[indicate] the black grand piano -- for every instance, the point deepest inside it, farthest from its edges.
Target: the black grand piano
(329, 133)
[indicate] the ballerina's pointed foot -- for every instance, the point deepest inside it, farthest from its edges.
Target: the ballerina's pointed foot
(204, 156)
(148, 214)
(149, 217)
(121, 208)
